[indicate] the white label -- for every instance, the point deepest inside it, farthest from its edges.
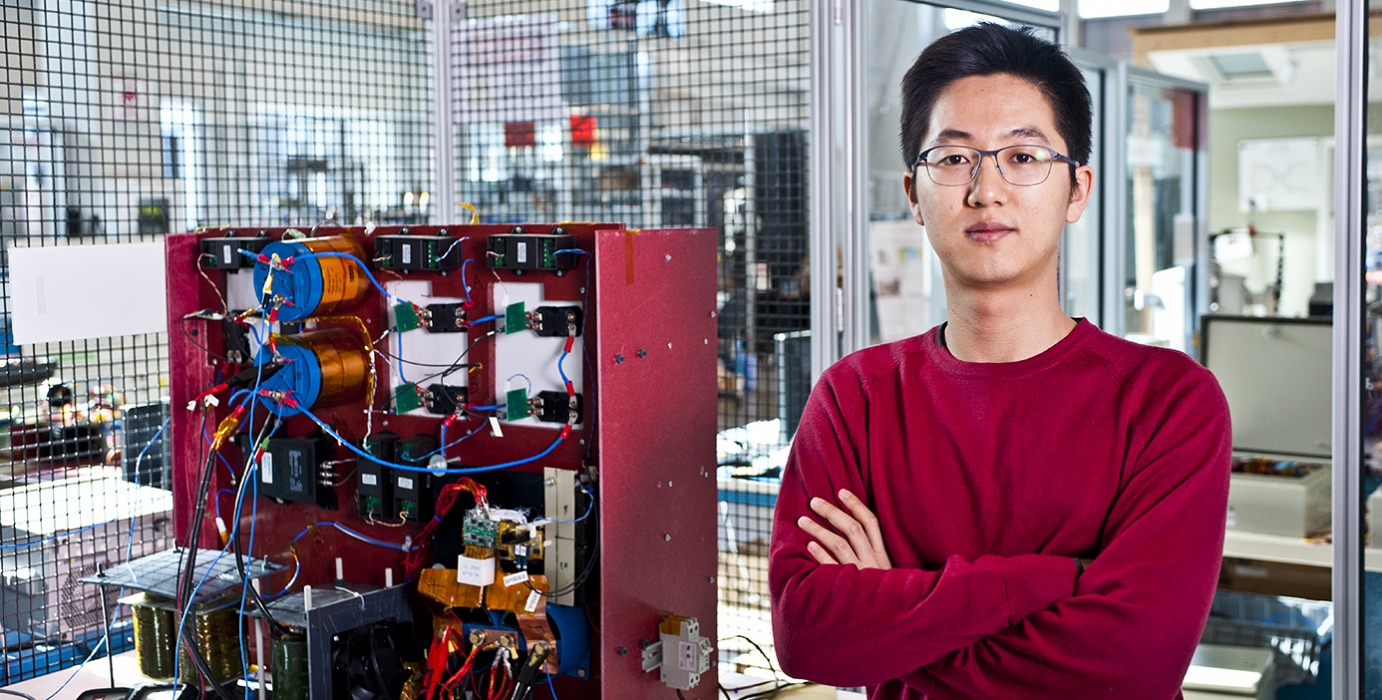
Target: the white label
(266, 468)
(514, 579)
(369, 479)
(520, 550)
(405, 483)
(533, 599)
(474, 572)
(407, 254)
(686, 656)
(229, 249)
(1232, 518)
(494, 427)
(522, 252)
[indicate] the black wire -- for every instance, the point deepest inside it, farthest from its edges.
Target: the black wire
(275, 625)
(453, 366)
(679, 695)
(760, 651)
(192, 340)
(724, 692)
(185, 592)
(16, 694)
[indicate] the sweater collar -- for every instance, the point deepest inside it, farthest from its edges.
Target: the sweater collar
(935, 348)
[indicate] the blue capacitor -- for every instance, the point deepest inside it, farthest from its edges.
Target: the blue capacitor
(315, 285)
(301, 378)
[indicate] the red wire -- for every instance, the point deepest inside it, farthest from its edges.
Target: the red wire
(417, 558)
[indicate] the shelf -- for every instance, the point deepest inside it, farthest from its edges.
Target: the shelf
(1289, 550)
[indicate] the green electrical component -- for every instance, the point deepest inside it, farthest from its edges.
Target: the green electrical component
(517, 403)
(480, 531)
(405, 317)
(407, 399)
(289, 654)
(515, 318)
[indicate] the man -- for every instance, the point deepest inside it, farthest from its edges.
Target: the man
(1015, 504)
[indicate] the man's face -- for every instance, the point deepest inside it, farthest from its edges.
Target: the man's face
(991, 233)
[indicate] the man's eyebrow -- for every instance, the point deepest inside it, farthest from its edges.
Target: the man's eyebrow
(951, 135)
(1028, 132)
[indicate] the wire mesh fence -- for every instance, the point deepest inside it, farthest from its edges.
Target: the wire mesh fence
(125, 119)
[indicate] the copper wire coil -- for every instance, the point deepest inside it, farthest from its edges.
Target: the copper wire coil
(343, 282)
(344, 367)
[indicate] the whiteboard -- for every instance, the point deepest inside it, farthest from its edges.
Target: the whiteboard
(69, 292)
(1278, 175)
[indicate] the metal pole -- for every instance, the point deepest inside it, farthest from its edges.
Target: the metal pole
(827, 16)
(444, 16)
(1349, 134)
(855, 316)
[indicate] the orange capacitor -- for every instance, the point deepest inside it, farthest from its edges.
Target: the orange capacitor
(323, 368)
(314, 276)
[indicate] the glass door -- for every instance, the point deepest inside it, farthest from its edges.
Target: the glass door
(1157, 288)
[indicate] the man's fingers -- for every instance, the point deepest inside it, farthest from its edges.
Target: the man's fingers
(846, 525)
(833, 543)
(866, 518)
(822, 556)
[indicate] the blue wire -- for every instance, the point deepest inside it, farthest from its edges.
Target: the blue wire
(561, 370)
(363, 268)
(78, 669)
(588, 509)
(465, 284)
(351, 533)
(400, 358)
(495, 407)
(572, 251)
(551, 687)
(486, 319)
(421, 470)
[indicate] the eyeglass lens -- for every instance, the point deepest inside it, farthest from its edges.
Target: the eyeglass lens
(1019, 165)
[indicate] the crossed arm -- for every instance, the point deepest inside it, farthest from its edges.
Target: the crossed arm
(1020, 626)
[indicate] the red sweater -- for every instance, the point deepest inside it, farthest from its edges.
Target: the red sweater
(988, 480)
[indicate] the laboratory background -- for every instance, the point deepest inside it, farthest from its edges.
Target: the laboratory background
(454, 349)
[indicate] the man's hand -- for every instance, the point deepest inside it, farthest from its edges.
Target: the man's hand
(854, 539)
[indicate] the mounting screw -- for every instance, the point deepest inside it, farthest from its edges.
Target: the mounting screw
(644, 644)
(622, 651)
(642, 352)
(666, 538)
(580, 672)
(712, 579)
(712, 314)
(619, 359)
(669, 346)
(669, 257)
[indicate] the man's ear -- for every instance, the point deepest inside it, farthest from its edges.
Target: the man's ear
(1080, 191)
(909, 185)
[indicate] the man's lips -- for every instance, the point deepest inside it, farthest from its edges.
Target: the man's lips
(987, 231)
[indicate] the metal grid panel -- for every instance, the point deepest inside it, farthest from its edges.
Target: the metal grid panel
(667, 113)
(128, 119)
(123, 120)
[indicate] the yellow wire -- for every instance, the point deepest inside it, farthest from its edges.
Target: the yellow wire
(474, 213)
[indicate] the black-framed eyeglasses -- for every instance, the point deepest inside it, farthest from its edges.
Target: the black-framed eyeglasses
(1022, 165)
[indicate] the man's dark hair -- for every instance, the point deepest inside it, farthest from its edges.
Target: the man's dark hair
(991, 49)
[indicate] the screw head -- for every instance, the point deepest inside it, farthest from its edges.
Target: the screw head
(619, 359)
(622, 651)
(666, 538)
(642, 352)
(712, 579)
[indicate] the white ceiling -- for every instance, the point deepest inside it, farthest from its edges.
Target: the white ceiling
(1302, 74)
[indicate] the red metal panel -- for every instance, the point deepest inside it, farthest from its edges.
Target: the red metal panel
(657, 402)
(655, 423)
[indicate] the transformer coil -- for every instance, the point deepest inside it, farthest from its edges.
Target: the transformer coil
(322, 368)
(313, 286)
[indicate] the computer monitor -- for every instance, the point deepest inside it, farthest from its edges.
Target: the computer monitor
(1277, 376)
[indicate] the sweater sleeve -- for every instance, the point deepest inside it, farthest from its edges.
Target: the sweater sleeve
(1138, 610)
(832, 623)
